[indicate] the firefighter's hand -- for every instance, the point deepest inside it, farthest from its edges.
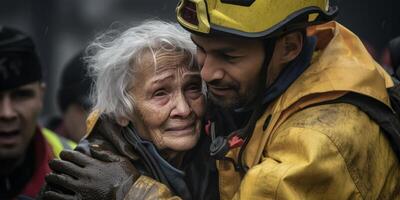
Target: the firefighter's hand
(105, 176)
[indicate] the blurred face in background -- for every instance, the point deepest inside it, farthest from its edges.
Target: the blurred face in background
(19, 111)
(75, 121)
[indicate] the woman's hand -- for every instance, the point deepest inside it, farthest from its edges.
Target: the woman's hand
(105, 176)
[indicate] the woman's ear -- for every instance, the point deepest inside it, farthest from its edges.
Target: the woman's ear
(123, 121)
(292, 45)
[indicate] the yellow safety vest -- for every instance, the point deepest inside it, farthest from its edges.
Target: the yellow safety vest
(57, 142)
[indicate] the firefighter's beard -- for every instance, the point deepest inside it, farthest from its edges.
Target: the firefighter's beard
(231, 96)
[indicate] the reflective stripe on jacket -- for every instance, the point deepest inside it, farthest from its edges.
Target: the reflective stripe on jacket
(57, 142)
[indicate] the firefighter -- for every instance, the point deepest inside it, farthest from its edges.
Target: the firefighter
(273, 71)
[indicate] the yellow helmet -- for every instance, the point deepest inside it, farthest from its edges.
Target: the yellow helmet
(251, 18)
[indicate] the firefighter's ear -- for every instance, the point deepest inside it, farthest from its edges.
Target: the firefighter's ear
(290, 46)
(287, 48)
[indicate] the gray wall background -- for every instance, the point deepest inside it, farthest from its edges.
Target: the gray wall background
(61, 28)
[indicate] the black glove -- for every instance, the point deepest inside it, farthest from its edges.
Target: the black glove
(105, 176)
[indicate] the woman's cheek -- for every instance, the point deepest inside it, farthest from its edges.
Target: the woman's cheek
(155, 115)
(157, 140)
(153, 120)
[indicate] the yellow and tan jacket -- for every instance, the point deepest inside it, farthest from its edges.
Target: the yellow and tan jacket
(331, 151)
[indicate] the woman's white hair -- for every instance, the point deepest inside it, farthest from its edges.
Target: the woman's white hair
(114, 57)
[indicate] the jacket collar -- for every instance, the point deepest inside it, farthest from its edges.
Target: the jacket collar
(340, 63)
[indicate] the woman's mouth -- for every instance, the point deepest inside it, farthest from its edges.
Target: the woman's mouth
(181, 129)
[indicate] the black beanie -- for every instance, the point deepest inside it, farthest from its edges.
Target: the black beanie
(75, 84)
(19, 63)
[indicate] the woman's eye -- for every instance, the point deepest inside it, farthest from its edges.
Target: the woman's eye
(194, 87)
(160, 96)
(160, 93)
(194, 91)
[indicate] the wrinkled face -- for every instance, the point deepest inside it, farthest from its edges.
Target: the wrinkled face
(19, 110)
(230, 67)
(170, 102)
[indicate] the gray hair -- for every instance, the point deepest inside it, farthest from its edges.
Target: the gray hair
(113, 59)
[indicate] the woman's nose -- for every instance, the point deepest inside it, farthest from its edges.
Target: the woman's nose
(210, 71)
(182, 108)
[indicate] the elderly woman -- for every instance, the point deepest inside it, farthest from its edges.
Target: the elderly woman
(145, 131)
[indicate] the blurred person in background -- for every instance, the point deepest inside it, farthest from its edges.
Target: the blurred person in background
(73, 99)
(384, 60)
(370, 48)
(394, 54)
(25, 147)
